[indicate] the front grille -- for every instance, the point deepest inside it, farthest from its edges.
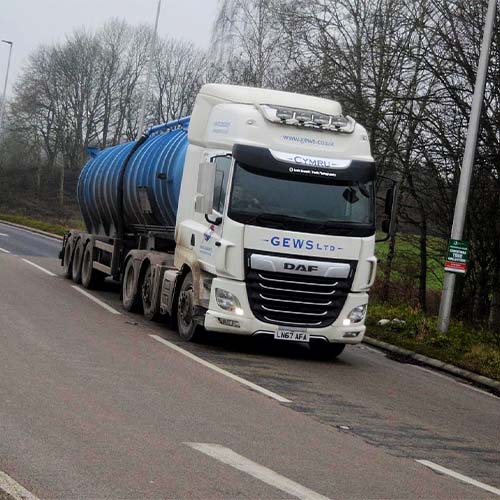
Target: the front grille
(296, 300)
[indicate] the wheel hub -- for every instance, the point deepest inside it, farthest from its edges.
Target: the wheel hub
(185, 307)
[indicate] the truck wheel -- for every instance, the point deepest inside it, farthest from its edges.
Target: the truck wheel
(77, 262)
(188, 329)
(67, 260)
(130, 297)
(150, 307)
(90, 276)
(325, 351)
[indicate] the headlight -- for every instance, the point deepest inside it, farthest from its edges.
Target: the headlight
(357, 314)
(227, 301)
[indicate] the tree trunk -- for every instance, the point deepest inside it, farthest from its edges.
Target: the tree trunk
(388, 265)
(422, 289)
(494, 318)
(61, 185)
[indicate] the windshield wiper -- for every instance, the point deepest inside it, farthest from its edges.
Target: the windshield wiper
(280, 219)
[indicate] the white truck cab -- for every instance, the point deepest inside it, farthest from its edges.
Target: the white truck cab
(276, 215)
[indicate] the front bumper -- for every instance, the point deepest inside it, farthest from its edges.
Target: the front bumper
(218, 320)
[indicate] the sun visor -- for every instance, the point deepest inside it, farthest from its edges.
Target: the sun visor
(304, 167)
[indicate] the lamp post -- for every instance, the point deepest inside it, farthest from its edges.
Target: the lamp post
(2, 109)
(468, 163)
(152, 47)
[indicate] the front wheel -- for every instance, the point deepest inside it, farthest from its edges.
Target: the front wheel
(188, 328)
(326, 351)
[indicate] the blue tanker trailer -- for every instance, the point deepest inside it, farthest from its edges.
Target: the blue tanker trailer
(255, 216)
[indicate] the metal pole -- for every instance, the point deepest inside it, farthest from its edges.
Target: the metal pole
(152, 47)
(468, 163)
(4, 95)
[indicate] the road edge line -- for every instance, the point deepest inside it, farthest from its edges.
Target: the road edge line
(440, 365)
(221, 371)
(460, 477)
(14, 489)
(260, 472)
(32, 230)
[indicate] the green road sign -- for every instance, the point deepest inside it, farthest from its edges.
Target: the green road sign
(458, 257)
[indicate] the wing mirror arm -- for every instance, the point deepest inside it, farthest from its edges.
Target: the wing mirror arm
(216, 222)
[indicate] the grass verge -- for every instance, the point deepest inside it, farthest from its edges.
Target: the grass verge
(406, 265)
(476, 350)
(48, 226)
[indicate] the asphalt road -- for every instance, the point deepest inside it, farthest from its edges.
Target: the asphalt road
(93, 405)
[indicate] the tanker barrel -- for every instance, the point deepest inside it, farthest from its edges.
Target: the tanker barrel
(151, 183)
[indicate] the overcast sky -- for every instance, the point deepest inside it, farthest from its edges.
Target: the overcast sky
(29, 23)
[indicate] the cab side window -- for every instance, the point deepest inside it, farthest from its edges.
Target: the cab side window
(222, 167)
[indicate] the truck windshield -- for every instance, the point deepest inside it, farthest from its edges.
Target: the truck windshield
(342, 208)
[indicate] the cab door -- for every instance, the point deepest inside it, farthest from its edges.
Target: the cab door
(212, 246)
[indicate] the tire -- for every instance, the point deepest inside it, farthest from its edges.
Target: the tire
(68, 259)
(77, 262)
(150, 307)
(188, 328)
(91, 278)
(130, 297)
(325, 351)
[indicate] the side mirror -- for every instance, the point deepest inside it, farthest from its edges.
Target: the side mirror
(205, 191)
(389, 210)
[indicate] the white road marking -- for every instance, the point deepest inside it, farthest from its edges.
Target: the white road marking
(475, 389)
(452, 379)
(96, 300)
(268, 476)
(3, 234)
(461, 477)
(15, 228)
(215, 368)
(3, 250)
(14, 489)
(432, 372)
(376, 351)
(46, 271)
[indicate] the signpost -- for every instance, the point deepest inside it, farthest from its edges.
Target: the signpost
(458, 257)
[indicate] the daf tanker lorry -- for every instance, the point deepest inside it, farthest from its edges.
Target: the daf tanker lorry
(254, 216)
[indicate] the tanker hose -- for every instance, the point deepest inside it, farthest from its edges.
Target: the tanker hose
(121, 222)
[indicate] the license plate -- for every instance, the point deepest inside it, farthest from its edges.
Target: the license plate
(292, 334)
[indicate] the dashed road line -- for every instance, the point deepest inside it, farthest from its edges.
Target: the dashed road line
(215, 368)
(268, 476)
(3, 250)
(110, 309)
(14, 489)
(460, 477)
(3, 234)
(40, 268)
